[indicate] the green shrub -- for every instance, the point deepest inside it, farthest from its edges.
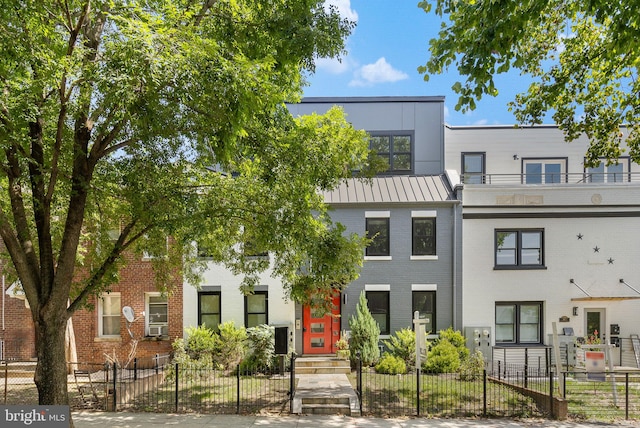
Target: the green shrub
(230, 345)
(403, 345)
(200, 342)
(365, 333)
(261, 349)
(456, 339)
(442, 358)
(472, 367)
(390, 364)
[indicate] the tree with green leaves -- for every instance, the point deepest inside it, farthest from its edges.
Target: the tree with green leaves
(365, 334)
(580, 56)
(123, 123)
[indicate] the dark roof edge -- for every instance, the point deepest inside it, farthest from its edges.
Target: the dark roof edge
(386, 99)
(514, 126)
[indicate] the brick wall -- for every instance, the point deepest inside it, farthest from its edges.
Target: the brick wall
(136, 279)
(16, 327)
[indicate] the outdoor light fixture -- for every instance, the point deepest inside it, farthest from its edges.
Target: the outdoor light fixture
(515, 157)
(575, 311)
(622, 282)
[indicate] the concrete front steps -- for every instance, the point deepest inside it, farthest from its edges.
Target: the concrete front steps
(326, 406)
(327, 364)
(323, 387)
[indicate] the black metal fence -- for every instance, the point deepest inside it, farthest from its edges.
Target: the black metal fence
(444, 395)
(602, 396)
(508, 390)
(164, 386)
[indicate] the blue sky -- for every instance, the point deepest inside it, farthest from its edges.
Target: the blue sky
(389, 43)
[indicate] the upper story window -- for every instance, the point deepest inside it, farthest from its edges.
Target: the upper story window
(396, 148)
(377, 229)
(423, 234)
(519, 249)
(544, 171)
(614, 173)
(473, 168)
(157, 319)
(109, 315)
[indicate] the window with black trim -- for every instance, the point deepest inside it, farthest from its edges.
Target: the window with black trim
(519, 248)
(378, 303)
(209, 313)
(396, 150)
(424, 302)
(519, 323)
(377, 229)
(423, 233)
(473, 168)
(256, 309)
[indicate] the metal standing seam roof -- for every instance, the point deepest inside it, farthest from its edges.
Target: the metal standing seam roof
(392, 189)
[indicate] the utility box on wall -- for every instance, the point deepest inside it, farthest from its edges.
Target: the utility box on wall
(479, 338)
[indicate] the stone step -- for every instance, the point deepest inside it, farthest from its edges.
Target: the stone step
(323, 370)
(326, 409)
(325, 400)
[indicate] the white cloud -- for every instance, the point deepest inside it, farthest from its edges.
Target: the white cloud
(378, 72)
(333, 65)
(481, 122)
(344, 8)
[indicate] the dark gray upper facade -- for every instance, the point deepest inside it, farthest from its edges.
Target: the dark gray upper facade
(401, 200)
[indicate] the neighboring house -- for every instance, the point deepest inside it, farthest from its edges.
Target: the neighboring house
(103, 331)
(17, 333)
(546, 240)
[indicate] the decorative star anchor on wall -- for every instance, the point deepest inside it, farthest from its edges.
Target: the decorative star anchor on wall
(579, 235)
(610, 261)
(596, 249)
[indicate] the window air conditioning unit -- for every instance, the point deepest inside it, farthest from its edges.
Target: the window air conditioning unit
(155, 330)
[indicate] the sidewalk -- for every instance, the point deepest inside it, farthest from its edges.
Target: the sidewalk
(149, 420)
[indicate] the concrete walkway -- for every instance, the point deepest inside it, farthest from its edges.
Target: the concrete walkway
(152, 420)
(327, 386)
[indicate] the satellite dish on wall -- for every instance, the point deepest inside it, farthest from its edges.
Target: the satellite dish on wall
(128, 313)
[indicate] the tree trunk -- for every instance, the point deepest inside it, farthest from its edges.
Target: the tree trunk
(51, 371)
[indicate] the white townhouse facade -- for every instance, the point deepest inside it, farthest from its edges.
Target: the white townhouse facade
(546, 241)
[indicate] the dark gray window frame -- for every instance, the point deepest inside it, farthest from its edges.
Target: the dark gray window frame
(219, 313)
(517, 339)
(562, 175)
(390, 155)
(387, 247)
(414, 237)
(518, 264)
(481, 174)
(266, 308)
(369, 293)
(626, 176)
(433, 295)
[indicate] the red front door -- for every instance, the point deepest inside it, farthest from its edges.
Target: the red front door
(321, 331)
